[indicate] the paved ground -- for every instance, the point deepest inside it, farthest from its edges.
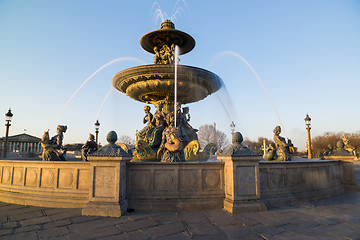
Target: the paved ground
(334, 218)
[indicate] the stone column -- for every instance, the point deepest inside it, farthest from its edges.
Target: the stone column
(241, 173)
(242, 185)
(107, 188)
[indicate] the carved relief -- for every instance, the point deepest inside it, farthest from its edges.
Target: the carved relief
(66, 178)
(48, 177)
(277, 177)
(188, 180)
(211, 179)
(6, 175)
(31, 176)
(164, 180)
(18, 177)
(139, 180)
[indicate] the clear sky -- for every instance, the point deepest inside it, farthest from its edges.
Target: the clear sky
(306, 52)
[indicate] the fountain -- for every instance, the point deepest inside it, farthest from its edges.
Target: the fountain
(110, 182)
(154, 84)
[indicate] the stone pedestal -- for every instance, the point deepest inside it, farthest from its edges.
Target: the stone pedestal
(348, 176)
(242, 185)
(107, 188)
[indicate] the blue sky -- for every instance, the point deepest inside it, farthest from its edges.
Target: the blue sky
(307, 54)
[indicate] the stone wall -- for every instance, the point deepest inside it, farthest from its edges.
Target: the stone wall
(45, 184)
(175, 185)
(285, 182)
(108, 186)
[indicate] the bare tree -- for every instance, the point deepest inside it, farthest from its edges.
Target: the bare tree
(319, 144)
(126, 139)
(208, 134)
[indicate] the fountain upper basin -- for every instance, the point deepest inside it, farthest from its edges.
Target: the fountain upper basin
(155, 82)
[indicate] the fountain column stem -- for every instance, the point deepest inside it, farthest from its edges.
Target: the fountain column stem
(175, 84)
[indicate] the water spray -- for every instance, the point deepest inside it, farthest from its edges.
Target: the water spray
(231, 53)
(92, 75)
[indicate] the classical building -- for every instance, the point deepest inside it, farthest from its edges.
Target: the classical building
(22, 143)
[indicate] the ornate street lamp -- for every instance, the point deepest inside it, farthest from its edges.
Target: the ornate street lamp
(232, 127)
(97, 125)
(8, 117)
(308, 123)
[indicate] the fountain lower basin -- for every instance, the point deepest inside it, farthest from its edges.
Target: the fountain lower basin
(199, 185)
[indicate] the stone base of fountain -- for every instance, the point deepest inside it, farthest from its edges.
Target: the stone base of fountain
(109, 185)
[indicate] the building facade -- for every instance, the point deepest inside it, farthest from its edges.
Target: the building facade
(22, 143)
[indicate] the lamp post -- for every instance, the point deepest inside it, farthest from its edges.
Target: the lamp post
(232, 128)
(308, 123)
(97, 125)
(8, 117)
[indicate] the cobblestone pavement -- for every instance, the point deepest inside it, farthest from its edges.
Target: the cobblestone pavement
(333, 218)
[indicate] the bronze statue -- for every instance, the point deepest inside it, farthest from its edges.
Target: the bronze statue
(282, 148)
(52, 148)
(157, 58)
(89, 147)
(143, 133)
(159, 121)
(184, 118)
(193, 153)
(172, 144)
(150, 139)
(341, 151)
(329, 151)
(166, 55)
(270, 153)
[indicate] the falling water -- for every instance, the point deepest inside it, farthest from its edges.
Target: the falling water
(103, 102)
(101, 68)
(228, 102)
(175, 85)
(231, 53)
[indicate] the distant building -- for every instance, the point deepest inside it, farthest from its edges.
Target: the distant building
(22, 143)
